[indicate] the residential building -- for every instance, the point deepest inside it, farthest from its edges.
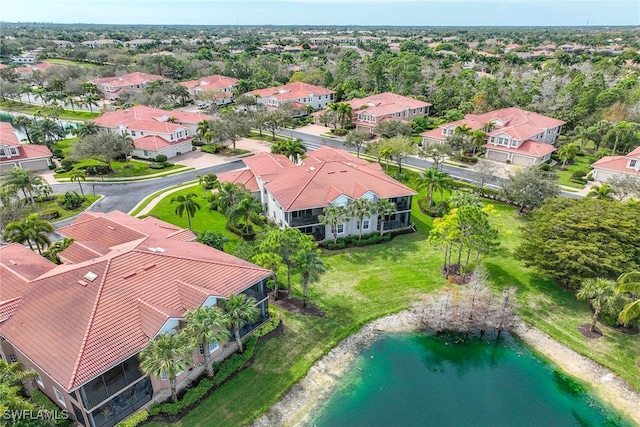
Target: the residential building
(62, 43)
(610, 166)
(294, 195)
(298, 93)
(220, 87)
(154, 131)
(26, 156)
(81, 325)
(374, 109)
(26, 72)
(111, 87)
(100, 44)
(24, 58)
(513, 135)
(134, 44)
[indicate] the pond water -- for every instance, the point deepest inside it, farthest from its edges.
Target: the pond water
(448, 380)
(8, 117)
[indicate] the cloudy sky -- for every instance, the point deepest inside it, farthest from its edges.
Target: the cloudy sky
(326, 12)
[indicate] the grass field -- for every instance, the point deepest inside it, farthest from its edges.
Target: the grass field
(68, 62)
(64, 213)
(363, 284)
(579, 163)
(21, 107)
(130, 169)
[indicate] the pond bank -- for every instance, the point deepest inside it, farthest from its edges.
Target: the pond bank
(299, 403)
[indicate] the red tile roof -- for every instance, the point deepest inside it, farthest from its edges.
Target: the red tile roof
(141, 115)
(215, 82)
(619, 163)
(74, 328)
(385, 104)
(40, 67)
(264, 164)
(30, 151)
(292, 91)
(333, 172)
(8, 135)
(244, 177)
(132, 79)
(515, 122)
(155, 143)
(527, 148)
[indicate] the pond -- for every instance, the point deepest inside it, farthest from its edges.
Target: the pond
(451, 380)
(8, 117)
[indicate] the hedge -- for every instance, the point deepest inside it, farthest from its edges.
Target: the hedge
(42, 400)
(193, 396)
(134, 419)
(367, 239)
(272, 323)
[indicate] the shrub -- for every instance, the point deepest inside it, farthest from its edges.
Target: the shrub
(579, 173)
(61, 170)
(71, 200)
(57, 152)
(178, 153)
(272, 323)
(161, 158)
(468, 159)
(127, 166)
(367, 239)
(246, 233)
(156, 166)
(134, 419)
(66, 164)
(211, 149)
(49, 214)
(52, 167)
(197, 143)
(401, 176)
(168, 164)
(97, 169)
(43, 401)
(545, 167)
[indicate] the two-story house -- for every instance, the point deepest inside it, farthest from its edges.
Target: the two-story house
(374, 109)
(81, 325)
(100, 44)
(154, 131)
(298, 93)
(111, 87)
(13, 154)
(610, 166)
(513, 135)
(220, 87)
(294, 195)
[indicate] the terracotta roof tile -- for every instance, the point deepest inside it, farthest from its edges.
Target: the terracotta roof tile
(527, 148)
(215, 82)
(244, 177)
(132, 79)
(292, 91)
(7, 308)
(385, 104)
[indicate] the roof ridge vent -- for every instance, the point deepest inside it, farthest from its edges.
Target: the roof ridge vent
(129, 275)
(12, 262)
(83, 283)
(110, 227)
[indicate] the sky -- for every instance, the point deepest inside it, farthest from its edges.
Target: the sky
(326, 12)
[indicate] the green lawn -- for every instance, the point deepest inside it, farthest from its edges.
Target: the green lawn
(68, 62)
(202, 221)
(580, 162)
(134, 168)
(21, 107)
(363, 284)
(64, 214)
(266, 136)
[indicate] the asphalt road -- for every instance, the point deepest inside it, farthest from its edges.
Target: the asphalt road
(125, 196)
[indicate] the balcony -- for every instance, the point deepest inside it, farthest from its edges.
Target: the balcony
(304, 217)
(110, 383)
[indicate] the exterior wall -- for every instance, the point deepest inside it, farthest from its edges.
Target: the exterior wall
(603, 175)
(170, 152)
(431, 140)
(29, 164)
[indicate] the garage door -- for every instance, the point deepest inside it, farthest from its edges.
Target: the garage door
(36, 165)
(498, 156)
(522, 160)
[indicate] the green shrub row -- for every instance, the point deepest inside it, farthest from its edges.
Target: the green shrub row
(223, 371)
(367, 239)
(134, 419)
(42, 400)
(162, 165)
(239, 229)
(272, 323)
(210, 148)
(49, 214)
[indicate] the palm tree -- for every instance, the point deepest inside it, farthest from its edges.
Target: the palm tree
(201, 183)
(185, 203)
(295, 149)
(227, 195)
(384, 207)
(78, 175)
(345, 112)
(462, 129)
(311, 267)
(71, 100)
(91, 101)
(26, 90)
(202, 128)
(39, 92)
(240, 311)
(333, 216)
(246, 207)
(86, 129)
(360, 208)
(477, 138)
(386, 153)
(630, 283)
(568, 152)
(166, 356)
(55, 248)
(25, 123)
(625, 134)
(205, 325)
(602, 192)
(433, 180)
(601, 294)
(24, 180)
(29, 230)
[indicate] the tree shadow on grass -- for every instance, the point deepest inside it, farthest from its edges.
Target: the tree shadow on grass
(393, 251)
(502, 278)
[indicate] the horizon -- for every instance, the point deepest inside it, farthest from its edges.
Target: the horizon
(338, 13)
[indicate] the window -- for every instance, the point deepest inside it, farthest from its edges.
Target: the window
(12, 358)
(514, 143)
(365, 224)
(146, 153)
(59, 397)
(133, 133)
(340, 228)
(39, 380)
(13, 150)
(633, 163)
(213, 346)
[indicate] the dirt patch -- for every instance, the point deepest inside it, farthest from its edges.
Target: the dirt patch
(295, 305)
(455, 275)
(586, 331)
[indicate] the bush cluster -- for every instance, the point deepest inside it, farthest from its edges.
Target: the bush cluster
(240, 230)
(209, 148)
(134, 419)
(162, 165)
(71, 200)
(344, 242)
(272, 323)
(42, 400)
(49, 214)
(223, 372)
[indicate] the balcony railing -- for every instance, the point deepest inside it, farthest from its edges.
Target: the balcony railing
(305, 220)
